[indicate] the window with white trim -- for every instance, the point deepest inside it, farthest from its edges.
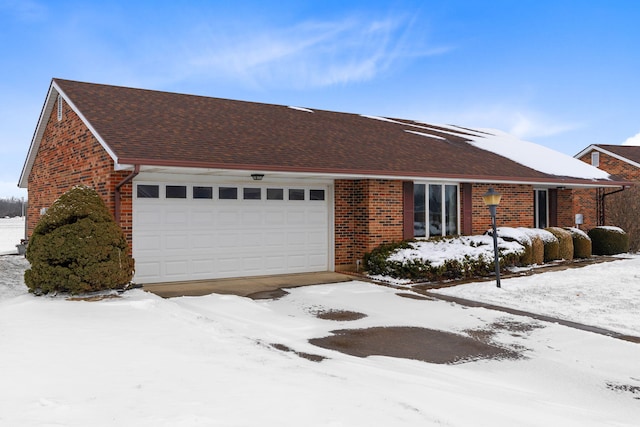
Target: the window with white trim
(595, 158)
(435, 210)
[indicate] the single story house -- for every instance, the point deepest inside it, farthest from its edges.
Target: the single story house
(211, 188)
(621, 161)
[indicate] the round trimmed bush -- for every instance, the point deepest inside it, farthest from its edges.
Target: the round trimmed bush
(565, 242)
(581, 243)
(77, 247)
(609, 240)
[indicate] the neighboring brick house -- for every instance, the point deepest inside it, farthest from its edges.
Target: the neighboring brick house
(209, 188)
(621, 161)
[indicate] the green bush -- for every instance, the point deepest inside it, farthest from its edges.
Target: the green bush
(375, 262)
(380, 261)
(608, 240)
(77, 247)
(581, 243)
(565, 242)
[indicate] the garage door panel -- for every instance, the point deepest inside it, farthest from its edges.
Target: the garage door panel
(176, 268)
(274, 218)
(176, 242)
(228, 240)
(189, 239)
(202, 241)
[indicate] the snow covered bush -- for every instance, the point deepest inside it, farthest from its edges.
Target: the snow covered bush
(441, 258)
(565, 242)
(532, 239)
(581, 243)
(77, 247)
(609, 240)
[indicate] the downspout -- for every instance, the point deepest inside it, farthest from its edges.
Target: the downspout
(128, 178)
(602, 202)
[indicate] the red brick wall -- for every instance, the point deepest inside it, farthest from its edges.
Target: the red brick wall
(566, 217)
(585, 201)
(70, 155)
(367, 214)
(515, 209)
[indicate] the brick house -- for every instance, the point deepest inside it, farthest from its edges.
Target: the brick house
(621, 161)
(210, 188)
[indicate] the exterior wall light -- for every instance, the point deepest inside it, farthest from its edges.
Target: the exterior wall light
(257, 176)
(492, 199)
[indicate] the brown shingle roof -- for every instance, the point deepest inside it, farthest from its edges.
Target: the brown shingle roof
(159, 128)
(630, 152)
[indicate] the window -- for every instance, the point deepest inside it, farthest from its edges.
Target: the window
(541, 210)
(275, 194)
(595, 159)
(148, 191)
(202, 193)
(176, 191)
(251, 193)
(296, 194)
(435, 210)
(316, 194)
(227, 193)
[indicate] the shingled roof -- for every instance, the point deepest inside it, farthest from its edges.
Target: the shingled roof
(153, 128)
(629, 153)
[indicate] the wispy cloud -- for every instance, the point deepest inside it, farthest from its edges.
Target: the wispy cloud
(522, 122)
(311, 54)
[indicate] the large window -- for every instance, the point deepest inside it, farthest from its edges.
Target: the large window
(435, 210)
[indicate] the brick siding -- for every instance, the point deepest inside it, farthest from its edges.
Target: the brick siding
(585, 201)
(515, 209)
(70, 155)
(367, 214)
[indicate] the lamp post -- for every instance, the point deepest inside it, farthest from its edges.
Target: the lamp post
(492, 199)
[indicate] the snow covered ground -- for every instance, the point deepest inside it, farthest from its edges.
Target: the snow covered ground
(140, 360)
(11, 231)
(605, 295)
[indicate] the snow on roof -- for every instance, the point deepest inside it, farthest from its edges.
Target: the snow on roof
(301, 109)
(532, 155)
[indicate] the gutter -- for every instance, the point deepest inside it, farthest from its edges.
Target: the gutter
(128, 178)
(602, 203)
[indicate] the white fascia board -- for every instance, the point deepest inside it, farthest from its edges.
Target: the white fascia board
(594, 147)
(586, 150)
(87, 124)
(37, 136)
(618, 156)
(238, 173)
(45, 114)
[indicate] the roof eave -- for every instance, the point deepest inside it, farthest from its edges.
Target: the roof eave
(125, 163)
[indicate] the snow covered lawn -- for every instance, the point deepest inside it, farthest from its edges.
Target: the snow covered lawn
(201, 361)
(606, 295)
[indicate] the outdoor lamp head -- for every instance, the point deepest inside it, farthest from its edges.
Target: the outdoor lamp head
(491, 197)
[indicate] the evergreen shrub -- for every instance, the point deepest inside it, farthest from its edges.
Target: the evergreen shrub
(77, 247)
(581, 243)
(608, 240)
(565, 242)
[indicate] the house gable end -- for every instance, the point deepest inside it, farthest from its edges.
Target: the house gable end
(45, 115)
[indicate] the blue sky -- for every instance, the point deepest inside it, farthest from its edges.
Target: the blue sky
(564, 74)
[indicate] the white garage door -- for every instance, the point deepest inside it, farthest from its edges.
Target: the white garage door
(191, 232)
